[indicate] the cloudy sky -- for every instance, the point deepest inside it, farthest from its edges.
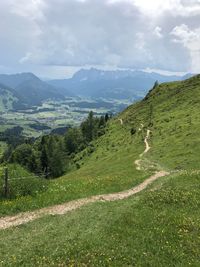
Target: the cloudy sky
(53, 38)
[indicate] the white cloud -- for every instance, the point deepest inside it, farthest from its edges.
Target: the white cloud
(156, 8)
(26, 58)
(158, 32)
(31, 9)
(190, 39)
(121, 33)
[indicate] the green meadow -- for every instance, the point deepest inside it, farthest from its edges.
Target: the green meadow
(158, 227)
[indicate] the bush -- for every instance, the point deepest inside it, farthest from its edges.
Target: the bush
(133, 131)
(24, 187)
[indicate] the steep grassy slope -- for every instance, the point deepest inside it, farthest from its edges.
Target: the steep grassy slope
(170, 111)
(173, 111)
(158, 227)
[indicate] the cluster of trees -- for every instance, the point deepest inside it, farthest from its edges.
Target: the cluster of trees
(52, 154)
(12, 136)
(46, 155)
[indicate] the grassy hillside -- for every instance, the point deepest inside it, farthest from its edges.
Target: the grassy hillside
(170, 111)
(106, 166)
(158, 227)
(173, 110)
(7, 98)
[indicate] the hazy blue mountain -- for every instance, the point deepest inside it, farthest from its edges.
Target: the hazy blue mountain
(30, 89)
(24, 90)
(112, 84)
(14, 80)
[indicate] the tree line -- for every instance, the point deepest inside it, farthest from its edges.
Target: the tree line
(53, 154)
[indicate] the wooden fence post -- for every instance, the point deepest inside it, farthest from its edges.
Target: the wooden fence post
(6, 182)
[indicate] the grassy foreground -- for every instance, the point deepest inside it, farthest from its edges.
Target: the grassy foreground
(156, 228)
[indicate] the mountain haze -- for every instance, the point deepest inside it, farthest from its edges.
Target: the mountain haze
(30, 90)
(117, 84)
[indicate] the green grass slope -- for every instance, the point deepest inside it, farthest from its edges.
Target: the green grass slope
(174, 112)
(170, 111)
(157, 227)
(21, 183)
(109, 168)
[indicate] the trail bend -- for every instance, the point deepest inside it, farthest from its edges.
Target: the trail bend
(121, 121)
(23, 218)
(147, 148)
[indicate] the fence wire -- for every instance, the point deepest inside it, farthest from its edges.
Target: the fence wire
(13, 185)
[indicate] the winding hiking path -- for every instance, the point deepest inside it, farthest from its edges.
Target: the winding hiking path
(121, 121)
(22, 218)
(147, 148)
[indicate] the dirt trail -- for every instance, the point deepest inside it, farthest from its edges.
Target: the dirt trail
(147, 148)
(22, 218)
(121, 121)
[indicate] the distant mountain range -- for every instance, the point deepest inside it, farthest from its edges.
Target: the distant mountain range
(117, 84)
(22, 91)
(25, 90)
